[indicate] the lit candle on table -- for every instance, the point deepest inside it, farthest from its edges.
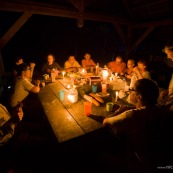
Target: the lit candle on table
(71, 98)
(116, 96)
(104, 74)
(63, 73)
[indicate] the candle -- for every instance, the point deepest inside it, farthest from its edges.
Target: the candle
(83, 71)
(104, 74)
(116, 96)
(71, 98)
(68, 86)
(63, 73)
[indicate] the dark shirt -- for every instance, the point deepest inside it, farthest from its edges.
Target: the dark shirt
(55, 65)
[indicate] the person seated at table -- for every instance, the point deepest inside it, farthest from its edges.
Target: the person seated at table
(136, 125)
(23, 143)
(23, 86)
(50, 64)
(71, 65)
(168, 93)
(117, 66)
(88, 62)
(128, 73)
(141, 70)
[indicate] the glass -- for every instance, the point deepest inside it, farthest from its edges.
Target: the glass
(87, 108)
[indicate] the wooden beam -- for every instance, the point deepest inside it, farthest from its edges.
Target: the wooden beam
(120, 32)
(16, 26)
(1, 65)
(43, 9)
(143, 36)
(154, 23)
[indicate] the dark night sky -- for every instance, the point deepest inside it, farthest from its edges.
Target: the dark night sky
(41, 35)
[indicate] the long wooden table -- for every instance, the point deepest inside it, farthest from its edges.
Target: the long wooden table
(68, 121)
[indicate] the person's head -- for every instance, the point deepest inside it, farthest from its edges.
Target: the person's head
(142, 64)
(71, 59)
(24, 70)
(50, 59)
(119, 59)
(130, 63)
(19, 60)
(168, 49)
(146, 92)
(87, 56)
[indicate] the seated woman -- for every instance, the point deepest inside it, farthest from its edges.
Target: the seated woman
(88, 63)
(141, 70)
(50, 64)
(71, 65)
(117, 66)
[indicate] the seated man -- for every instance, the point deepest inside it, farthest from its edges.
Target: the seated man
(88, 63)
(23, 86)
(71, 65)
(117, 66)
(138, 124)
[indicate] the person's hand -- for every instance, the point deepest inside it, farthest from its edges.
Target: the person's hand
(164, 94)
(32, 65)
(37, 83)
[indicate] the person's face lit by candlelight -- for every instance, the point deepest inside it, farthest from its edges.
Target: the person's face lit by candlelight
(50, 59)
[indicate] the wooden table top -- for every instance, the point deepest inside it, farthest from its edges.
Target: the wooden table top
(68, 121)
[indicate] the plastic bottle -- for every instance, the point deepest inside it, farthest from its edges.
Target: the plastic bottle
(53, 75)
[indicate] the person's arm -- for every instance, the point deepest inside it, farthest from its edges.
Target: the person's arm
(36, 87)
(32, 66)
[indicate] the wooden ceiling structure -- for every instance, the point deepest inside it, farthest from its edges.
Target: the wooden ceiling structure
(127, 16)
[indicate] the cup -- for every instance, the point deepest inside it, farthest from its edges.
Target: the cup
(94, 88)
(61, 94)
(43, 83)
(46, 76)
(87, 108)
(104, 87)
(109, 106)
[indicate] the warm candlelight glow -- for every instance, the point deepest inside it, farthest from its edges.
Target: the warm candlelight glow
(63, 73)
(71, 98)
(104, 74)
(116, 96)
(68, 86)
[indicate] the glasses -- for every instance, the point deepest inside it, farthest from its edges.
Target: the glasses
(130, 90)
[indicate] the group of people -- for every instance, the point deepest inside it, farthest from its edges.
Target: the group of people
(133, 123)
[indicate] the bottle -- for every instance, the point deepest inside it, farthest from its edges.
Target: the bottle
(53, 75)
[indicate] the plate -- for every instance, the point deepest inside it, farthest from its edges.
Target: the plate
(101, 94)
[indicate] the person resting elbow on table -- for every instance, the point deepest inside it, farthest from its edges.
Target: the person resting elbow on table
(71, 65)
(135, 123)
(23, 86)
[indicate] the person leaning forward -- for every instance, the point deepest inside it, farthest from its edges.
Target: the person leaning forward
(140, 126)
